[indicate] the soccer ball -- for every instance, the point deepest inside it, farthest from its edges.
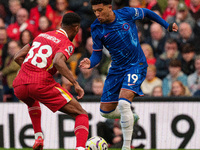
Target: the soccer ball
(96, 143)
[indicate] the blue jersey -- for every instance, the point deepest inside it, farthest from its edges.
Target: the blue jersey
(120, 38)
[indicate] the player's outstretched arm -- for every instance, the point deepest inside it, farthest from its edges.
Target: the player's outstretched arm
(92, 62)
(153, 16)
(21, 54)
(60, 63)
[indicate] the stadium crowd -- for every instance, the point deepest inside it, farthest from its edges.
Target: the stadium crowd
(171, 56)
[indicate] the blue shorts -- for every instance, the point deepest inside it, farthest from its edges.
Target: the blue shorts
(130, 80)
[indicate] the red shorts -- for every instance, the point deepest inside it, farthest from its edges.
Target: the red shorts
(53, 96)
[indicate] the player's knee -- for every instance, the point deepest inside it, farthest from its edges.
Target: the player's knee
(126, 114)
(108, 115)
(105, 115)
(123, 104)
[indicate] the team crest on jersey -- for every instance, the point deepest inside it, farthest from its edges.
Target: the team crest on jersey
(125, 26)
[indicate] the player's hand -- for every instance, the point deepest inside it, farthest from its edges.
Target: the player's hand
(172, 27)
(79, 91)
(85, 63)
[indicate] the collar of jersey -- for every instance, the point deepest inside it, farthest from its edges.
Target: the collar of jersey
(63, 32)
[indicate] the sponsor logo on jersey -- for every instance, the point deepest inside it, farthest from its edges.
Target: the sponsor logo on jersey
(126, 26)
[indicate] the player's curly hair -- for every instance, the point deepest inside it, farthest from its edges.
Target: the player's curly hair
(71, 19)
(96, 2)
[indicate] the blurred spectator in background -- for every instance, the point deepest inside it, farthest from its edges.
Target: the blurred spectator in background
(157, 91)
(148, 52)
(170, 9)
(188, 36)
(2, 23)
(162, 62)
(43, 8)
(103, 65)
(118, 4)
(3, 12)
(20, 25)
(25, 37)
(28, 4)
(3, 54)
(194, 79)
(3, 46)
(195, 9)
(9, 72)
(153, 5)
(97, 86)
(84, 9)
(85, 78)
(175, 73)
(178, 89)
(14, 6)
(182, 15)
(157, 39)
(187, 59)
(62, 7)
(151, 81)
(140, 31)
(43, 26)
(146, 22)
(137, 3)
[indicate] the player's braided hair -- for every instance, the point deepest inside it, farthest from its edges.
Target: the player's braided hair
(71, 19)
(96, 2)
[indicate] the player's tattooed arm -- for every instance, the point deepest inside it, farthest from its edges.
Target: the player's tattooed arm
(21, 55)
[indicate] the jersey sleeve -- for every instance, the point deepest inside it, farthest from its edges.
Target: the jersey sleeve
(67, 50)
(134, 13)
(97, 44)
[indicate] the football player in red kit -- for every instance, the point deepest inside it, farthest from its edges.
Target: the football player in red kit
(35, 83)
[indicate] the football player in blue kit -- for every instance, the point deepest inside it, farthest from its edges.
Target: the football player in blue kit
(116, 30)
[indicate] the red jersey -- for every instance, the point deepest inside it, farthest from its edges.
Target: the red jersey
(15, 29)
(35, 15)
(38, 64)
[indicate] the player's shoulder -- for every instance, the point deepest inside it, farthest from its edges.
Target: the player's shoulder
(96, 26)
(124, 10)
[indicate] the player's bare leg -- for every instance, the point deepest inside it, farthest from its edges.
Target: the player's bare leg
(74, 109)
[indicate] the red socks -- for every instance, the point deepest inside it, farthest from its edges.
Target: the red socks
(81, 129)
(35, 115)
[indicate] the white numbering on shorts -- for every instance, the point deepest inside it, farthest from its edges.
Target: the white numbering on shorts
(132, 77)
(39, 54)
